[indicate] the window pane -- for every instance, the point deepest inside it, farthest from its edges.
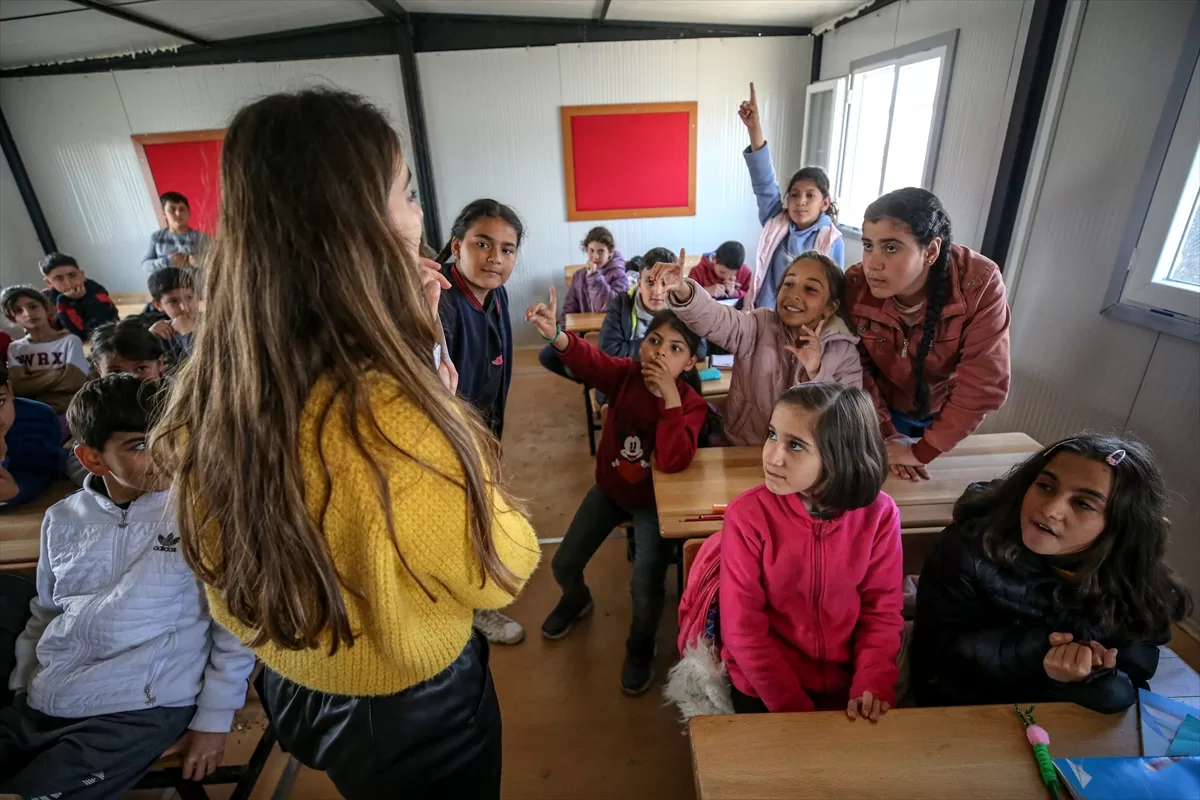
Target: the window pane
(866, 135)
(1186, 267)
(916, 90)
(819, 133)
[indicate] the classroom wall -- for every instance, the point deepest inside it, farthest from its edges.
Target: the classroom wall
(991, 37)
(19, 246)
(493, 118)
(73, 132)
(1074, 369)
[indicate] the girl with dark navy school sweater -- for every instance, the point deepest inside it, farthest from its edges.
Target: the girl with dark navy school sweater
(474, 311)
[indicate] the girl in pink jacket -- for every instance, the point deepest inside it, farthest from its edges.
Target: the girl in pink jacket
(803, 339)
(807, 569)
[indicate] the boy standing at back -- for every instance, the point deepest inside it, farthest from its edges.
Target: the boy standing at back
(80, 304)
(120, 661)
(47, 364)
(178, 245)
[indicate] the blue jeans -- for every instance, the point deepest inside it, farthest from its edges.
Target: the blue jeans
(909, 426)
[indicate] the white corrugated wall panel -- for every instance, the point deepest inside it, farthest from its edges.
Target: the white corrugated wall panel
(1072, 367)
(991, 36)
(492, 117)
(633, 72)
(1166, 415)
(199, 98)
(20, 250)
(74, 139)
(74, 135)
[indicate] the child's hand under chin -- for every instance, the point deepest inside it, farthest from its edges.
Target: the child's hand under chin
(661, 383)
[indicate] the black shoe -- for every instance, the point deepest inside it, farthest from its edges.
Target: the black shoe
(637, 673)
(564, 616)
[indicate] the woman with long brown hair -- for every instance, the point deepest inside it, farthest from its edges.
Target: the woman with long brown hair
(344, 510)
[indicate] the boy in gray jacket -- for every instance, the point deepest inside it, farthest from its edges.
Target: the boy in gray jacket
(120, 661)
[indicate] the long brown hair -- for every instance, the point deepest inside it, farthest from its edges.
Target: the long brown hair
(308, 280)
(1122, 579)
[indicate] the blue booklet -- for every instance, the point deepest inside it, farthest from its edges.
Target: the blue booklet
(1161, 778)
(1161, 718)
(1187, 738)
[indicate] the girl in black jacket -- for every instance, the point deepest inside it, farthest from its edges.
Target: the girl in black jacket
(1050, 585)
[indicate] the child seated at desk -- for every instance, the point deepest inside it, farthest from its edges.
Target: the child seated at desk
(120, 660)
(803, 339)
(172, 293)
(1051, 584)
(653, 412)
(80, 304)
(31, 456)
(802, 586)
(128, 346)
(47, 364)
(603, 278)
(722, 273)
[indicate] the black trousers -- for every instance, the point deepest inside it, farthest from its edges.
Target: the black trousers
(438, 739)
(745, 704)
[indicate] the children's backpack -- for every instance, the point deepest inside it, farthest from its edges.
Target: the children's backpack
(699, 683)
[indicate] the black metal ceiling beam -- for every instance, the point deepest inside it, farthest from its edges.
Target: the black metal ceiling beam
(442, 32)
(144, 22)
(603, 15)
(25, 187)
(431, 33)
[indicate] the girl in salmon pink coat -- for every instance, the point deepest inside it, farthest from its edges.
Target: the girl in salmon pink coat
(810, 568)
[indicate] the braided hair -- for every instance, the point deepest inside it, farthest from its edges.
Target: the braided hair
(925, 217)
(474, 211)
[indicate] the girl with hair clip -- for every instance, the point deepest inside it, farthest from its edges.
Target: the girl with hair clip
(804, 339)
(1051, 584)
(804, 579)
(932, 322)
(655, 410)
(477, 332)
(800, 220)
(341, 507)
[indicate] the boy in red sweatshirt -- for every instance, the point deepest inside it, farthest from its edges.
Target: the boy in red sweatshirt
(811, 567)
(652, 412)
(722, 273)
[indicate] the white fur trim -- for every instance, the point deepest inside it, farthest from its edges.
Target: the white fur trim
(699, 683)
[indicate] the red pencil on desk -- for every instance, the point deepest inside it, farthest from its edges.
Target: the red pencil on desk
(704, 518)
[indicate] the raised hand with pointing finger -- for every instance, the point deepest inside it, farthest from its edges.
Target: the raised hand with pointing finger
(669, 276)
(543, 317)
(808, 353)
(748, 111)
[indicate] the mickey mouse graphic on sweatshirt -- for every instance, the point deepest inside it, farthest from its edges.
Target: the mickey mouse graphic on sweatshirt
(637, 428)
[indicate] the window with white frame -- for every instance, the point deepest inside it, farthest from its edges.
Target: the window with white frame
(878, 128)
(1156, 281)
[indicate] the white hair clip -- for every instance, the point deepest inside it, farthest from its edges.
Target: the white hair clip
(1115, 457)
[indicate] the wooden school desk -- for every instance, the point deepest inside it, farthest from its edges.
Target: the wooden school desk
(21, 527)
(584, 323)
(719, 474)
(930, 753)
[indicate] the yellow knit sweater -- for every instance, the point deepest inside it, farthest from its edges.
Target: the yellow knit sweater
(402, 637)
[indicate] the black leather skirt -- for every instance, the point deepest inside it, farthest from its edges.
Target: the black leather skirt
(440, 738)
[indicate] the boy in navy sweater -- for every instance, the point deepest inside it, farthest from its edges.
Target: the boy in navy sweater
(80, 304)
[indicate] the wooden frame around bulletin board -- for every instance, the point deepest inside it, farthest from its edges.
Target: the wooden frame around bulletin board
(140, 140)
(569, 112)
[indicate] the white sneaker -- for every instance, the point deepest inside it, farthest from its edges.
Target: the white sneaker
(498, 628)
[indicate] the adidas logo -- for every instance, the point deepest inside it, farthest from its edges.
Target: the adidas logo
(167, 543)
(96, 776)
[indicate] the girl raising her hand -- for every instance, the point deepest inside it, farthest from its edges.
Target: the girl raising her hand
(653, 412)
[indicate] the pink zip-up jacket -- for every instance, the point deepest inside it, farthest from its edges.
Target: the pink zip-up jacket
(762, 368)
(773, 232)
(810, 606)
(592, 293)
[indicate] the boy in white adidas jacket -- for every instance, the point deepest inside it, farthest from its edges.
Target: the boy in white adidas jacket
(120, 661)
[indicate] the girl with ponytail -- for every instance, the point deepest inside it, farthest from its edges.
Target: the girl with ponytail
(933, 325)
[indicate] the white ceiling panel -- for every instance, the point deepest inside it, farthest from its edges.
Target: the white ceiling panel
(805, 13)
(572, 9)
(66, 37)
(228, 19)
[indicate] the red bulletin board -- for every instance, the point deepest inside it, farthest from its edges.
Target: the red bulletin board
(188, 162)
(629, 161)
